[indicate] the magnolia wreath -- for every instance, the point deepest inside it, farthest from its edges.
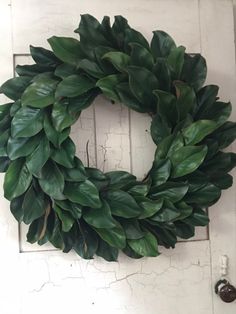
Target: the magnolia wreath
(81, 208)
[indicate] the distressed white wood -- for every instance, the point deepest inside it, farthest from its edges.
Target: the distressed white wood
(112, 135)
(179, 280)
(217, 37)
(37, 20)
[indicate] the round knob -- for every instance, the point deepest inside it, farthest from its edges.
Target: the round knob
(225, 290)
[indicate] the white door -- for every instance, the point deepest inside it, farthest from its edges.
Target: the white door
(42, 280)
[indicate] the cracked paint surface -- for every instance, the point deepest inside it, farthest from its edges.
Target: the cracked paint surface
(176, 277)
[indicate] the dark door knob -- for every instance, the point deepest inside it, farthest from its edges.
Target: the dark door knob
(225, 290)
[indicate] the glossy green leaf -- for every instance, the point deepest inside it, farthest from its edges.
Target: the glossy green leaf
(161, 44)
(167, 213)
(40, 93)
(128, 99)
(184, 209)
(36, 160)
(140, 56)
(149, 207)
(186, 100)
(15, 107)
(171, 191)
(13, 88)
(175, 61)
(74, 85)
(133, 36)
(194, 70)
(84, 193)
(66, 49)
(91, 68)
(16, 208)
(4, 163)
(140, 189)
(22, 146)
(91, 31)
(108, 85)
(219, 112)
(119, 179)
(4, 137)
(77, 174)
(159, 129)
(51, 180)
(106, 251)
(65, 154)
(205, 196)
(169, 145)
(67, 220)
(132, 229)
(55, 137)
(99, 217)
(17, 179)
(66, 112)
(64, 70)
(160, 172)
(44, 56)
(74, 209)
(222, 180)
(122, 204)
(197, 131)
(103, 64)
(86, 243)
(183, 230)
(221, 161)
(120, 27)
(118, 59)
(146, 246)
(206, 97)
(226, 134)
(34, 204)
(187, 159)
(167, 107)
(162, 72)
(27, 122)
(31, 70)
(199, 217)
(142, 83)
(115, 237)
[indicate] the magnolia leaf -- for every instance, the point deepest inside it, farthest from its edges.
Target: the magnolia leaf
(40, 93)
(122, 204)
(187, 159)
(27, 122)
(84, 193)
(197, 131)
(146, 246)
(99, 217)
(66, 49)
(171, 191)
(44, 56)
(34, 205)
(115, 237)
(120, 60)
(51, 180)
(74, 85)
(15, 87)
(17, 179)
(161, 44)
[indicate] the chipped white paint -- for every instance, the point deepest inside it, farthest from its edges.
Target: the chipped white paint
(179, 281)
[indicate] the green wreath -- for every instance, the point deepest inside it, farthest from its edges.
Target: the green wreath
(82, 208)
